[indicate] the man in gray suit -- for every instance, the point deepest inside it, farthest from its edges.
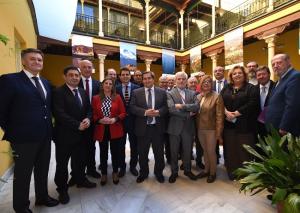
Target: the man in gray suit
(182, 104)
(149, 105)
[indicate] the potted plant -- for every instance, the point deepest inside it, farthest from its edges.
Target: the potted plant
(277, 167)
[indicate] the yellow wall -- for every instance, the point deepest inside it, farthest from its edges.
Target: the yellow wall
(15, 22)
(54, 65)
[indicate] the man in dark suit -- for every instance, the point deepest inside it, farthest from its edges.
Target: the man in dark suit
(218, 85)
(125, 90)
(149, 105)
(283, 109)
(220, 81)
(25, 117)
(183, 105)
(265, 87)
(72, 113)
(91, 87)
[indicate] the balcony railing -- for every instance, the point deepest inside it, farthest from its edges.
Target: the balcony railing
(123, 31)
(230, 19)
(86, 24)
(240, 14)
(197, 36)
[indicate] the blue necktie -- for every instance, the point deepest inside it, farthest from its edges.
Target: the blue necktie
(77, 97)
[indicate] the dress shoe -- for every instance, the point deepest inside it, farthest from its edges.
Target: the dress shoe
(211, 178)
(24, 211)
(71, 182)
(160, 178)
(231, 176)
(115, 178)
(190, 175)
(63, 197)
(86, 184)
(103, 180)
(202, 174)
(172, 178)
(93, 173)
(49, 202)
(134, 171)
(122, 173)
(200, 165)
(141, 178)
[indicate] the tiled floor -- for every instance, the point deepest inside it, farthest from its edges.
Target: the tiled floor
(150, 196)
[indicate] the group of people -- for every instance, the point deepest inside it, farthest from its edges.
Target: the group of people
(170, 118)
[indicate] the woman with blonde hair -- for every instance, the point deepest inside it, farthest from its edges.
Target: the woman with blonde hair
(241, 101)
(210, 121)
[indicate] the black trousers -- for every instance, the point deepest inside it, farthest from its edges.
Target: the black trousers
(28, 157)
(64, 152)
(90, 151)
(114, 151)
(133, 150)
(153, 137)
(167, 147)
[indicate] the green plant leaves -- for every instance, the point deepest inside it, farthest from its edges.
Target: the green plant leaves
(3, 39)
(292, 203)
(279, 195)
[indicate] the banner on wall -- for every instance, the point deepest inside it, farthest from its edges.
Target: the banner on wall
(168, 61)
(233, 44)
(82, 47)
(127, 54)
(195, 59)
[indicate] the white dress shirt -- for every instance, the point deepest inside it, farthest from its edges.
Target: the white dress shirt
(30, 75)
(90, 86)
(263, 94)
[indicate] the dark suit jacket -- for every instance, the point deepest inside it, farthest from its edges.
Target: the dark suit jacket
(24, 116)
(215, 87)
(95, 86)
(129, 119)
(283, 109)
(272, 85)
(261, 130)
(68, 115)
(138, 106)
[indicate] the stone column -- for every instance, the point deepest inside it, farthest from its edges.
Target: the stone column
(181, 29)
(213, 19)
(147, 22)
(271, 6)
(129, 24)
(148, 64)
(101, 58)
(271, 40)
(108, 20)
(100, 19)
(214, 55)
(270, 36)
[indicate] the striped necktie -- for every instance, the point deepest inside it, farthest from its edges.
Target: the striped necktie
(126, 95)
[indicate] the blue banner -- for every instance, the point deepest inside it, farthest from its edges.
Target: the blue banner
(127, 54)
(168, 61)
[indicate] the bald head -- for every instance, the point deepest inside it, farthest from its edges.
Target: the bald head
(280, 64)
(112, 73)
(86, 68)
(163, 82)
(192, 83)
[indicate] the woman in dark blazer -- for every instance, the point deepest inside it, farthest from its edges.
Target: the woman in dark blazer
(241, 101)
(108, 113)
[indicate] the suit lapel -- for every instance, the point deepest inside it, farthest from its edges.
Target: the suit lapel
(177, 95)
(30, 85)
(143, 97)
